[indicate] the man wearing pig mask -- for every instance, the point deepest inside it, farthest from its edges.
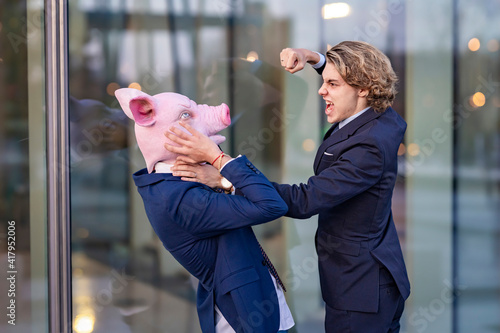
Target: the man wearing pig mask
(207, 231)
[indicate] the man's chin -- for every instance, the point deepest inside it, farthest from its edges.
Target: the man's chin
(332, 119)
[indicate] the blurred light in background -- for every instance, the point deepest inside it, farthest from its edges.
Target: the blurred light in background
(252, 56)
(308, 145)
(82, 233)
(135, 85)
(77, 272)
(413, 149)
(111, 88)
(84, 323)
(335, 10)
(474, 44)
(478, 99)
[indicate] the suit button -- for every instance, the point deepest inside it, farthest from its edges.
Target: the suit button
(263, 263)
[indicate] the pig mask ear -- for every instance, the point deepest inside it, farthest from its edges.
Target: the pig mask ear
(137, 105)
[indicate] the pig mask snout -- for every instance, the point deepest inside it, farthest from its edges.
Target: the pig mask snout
(225, 115)
(217, 117)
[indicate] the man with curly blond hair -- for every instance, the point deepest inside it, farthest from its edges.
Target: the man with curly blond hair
(362, 271)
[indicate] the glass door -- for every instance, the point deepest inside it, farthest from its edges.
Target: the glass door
(23, 204)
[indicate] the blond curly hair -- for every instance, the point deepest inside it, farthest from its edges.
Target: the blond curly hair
(363, 66)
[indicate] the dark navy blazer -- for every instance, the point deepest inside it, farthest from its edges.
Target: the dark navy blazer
(354, 175)
(209, 234)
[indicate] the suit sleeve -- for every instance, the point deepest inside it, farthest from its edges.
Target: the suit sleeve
(355, 171)
(206, 213)
(320, 69)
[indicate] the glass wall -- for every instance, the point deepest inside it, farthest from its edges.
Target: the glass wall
(429, 166)
(213, 52)
(447, 196)
(477, 128)
(23, 243)
(123, 278)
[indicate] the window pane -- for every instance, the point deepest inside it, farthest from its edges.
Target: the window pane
(478, 136)
(213, 52)
(429, 166)
(23, 244)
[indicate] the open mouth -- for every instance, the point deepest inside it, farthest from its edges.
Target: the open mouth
(329, 108)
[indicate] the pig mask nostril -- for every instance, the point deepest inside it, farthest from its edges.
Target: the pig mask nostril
(225, 115)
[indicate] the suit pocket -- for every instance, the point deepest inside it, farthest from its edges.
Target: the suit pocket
(238, 279)
(332, 243)
(328, 157)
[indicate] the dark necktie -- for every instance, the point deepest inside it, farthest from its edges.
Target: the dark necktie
(271, 268)
(333, 129)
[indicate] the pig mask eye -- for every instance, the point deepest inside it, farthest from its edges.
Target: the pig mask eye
(185, 115)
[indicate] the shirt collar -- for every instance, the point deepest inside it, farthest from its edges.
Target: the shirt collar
(161, 167)
(351, 118)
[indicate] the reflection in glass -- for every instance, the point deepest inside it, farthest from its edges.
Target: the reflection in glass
(23, 241)
(478, 168)
(123, 278)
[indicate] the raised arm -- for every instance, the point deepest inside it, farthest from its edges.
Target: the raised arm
(294, 60)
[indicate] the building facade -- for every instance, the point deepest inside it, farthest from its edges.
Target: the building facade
(77, 251)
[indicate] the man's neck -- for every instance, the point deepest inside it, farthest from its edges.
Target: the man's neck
(351, 118)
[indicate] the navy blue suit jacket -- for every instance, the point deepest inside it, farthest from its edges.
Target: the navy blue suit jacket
(354, 175)
(209, 234)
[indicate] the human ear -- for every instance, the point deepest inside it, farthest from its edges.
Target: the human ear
(363, 92)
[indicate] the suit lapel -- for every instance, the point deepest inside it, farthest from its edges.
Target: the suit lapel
(143, 178)
(329, 140)
(343, 133)
(329, 132)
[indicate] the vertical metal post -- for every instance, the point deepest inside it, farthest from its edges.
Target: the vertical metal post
(231, 50)
(174, 54)
(59, 241)
(455, 165)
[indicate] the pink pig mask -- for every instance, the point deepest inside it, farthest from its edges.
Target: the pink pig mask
(154, 115)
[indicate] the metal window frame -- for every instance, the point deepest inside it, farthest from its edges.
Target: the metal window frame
(59, 240)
